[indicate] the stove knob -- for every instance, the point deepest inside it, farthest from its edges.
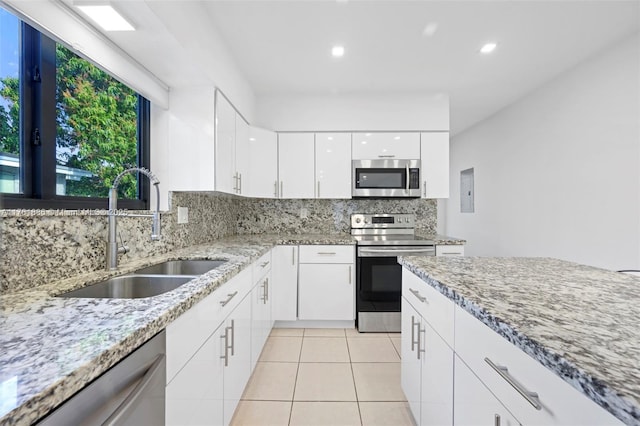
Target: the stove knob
(358, 220)
(366, 220)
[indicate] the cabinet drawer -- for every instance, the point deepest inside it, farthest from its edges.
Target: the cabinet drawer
(450, 250)
(560, 403)
(327, 254)
(261, 267)
(189, 331)
(434, 307)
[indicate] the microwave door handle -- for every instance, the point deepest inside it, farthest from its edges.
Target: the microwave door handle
(408, 177)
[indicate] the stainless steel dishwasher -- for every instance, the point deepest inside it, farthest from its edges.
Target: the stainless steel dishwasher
(132, 392)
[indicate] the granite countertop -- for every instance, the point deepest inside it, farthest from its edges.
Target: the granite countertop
(439, 239)
(52, 347)
(580, 322)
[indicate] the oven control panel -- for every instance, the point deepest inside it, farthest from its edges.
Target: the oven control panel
(400, 220)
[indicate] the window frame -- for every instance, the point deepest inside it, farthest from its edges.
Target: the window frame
(38, 110)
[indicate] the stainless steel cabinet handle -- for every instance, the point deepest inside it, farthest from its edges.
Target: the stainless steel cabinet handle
(386, 156)
(496, 420)
(416, 293)
(293, 256)
(233, 337)
(422, 343)
(239, 183)
(225, 336)
(266, 290)
(449, 253)
(131, 401)
(235, 185)
(413, 333)
(349, 274)
(228, 299)
(318, 196)
(531, 397)
(281, 191)
(327, 253)
(263, 264)
(424, 186)
(275, 189)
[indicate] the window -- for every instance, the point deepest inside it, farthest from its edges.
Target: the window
(67, 128)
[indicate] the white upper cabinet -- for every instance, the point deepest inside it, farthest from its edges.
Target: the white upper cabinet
(390, 146)
(225, 145)
(434, 164)
(333, 165)
(242, 156)
(262, 177)
(296, 174)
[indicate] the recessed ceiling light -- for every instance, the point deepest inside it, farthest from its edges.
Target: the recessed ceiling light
(105, 16)
(367, 134)
(252, 139)
(330, 138)
(397, 138)
(430, 29)
(337, 51)
(488, 47)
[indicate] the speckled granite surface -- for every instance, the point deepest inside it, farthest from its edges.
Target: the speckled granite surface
(581, 322)
(51, 347)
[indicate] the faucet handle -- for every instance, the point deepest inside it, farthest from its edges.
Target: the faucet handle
(123, 249)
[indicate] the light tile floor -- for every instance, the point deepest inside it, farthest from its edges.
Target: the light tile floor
(326, 377)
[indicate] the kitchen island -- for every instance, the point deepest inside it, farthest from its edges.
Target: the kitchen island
(579, 322)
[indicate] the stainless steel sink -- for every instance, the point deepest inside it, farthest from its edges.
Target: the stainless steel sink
(130, 287)
(182, 267)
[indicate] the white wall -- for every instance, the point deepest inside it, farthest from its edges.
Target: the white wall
(558, 173)
(353, 112)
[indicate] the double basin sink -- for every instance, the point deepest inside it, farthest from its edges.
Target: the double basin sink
(146, 282)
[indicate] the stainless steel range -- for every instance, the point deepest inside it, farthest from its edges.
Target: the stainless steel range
(381, 238)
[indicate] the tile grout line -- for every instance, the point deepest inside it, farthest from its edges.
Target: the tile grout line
(295, 383)
(353, 377)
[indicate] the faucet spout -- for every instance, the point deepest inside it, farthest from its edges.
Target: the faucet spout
(112, 244)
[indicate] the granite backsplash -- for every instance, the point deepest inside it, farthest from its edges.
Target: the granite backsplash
(39, 246)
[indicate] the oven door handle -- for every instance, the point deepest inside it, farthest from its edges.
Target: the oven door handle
(396, 251)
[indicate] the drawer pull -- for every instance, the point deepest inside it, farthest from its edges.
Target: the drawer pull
(413, 333)
(229, 297)
(327, 253)
(496, 420)
(531, 397)
(416, 293)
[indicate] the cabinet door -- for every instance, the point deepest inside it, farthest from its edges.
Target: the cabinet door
(434, 164)
(195, 395)
(284, 286)
(262, 180)
(296, 165)
(437, 378)
(380, 146)
(242, 166)
(260, 318)
(326, 292)
(410, 370)
(238, 368)
(333, 165)
(474, 403)
(225, 146)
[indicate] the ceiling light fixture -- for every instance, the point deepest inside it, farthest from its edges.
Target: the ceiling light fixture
(105, 16)
(430, 29)
(337, 51)
(488, 47)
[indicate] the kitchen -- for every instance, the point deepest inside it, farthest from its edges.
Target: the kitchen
(531, 197)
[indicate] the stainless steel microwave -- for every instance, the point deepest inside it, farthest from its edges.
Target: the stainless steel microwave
(386, 178)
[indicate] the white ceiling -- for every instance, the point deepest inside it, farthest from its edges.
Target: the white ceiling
(283, 47)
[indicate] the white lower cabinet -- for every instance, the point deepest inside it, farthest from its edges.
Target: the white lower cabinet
(212, 348)
(493, 382)
(193, 400)
(426, 370)
(474, 403)
(284, 287)
(450, 250)
(237, 369)
(326, 284)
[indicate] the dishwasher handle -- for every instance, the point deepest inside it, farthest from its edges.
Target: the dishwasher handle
(130, 401)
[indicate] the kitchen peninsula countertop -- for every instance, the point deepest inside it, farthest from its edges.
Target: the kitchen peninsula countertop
(580, 322)
(52, 347)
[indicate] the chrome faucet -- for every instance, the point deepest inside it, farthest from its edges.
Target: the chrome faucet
(112, 245)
